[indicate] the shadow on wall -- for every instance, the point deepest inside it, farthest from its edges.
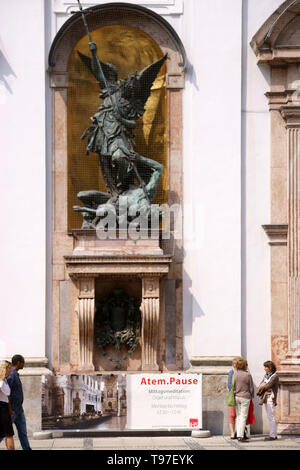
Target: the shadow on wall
(192, 306)
(214, 421)
(215, 409)
(191, 75)
(216, 416)
(5, 71)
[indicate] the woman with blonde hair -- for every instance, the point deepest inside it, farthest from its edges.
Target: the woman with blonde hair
(243, 392)
(6, 429)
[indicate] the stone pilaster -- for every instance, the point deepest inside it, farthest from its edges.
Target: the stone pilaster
(61, 243)
(150, 322)
(289, 419)
(86, 314)
(274, 44)
(292, 117)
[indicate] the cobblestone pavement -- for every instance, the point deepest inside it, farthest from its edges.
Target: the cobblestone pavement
(162, 443)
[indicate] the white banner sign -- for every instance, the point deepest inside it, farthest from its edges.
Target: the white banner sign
(164, 401)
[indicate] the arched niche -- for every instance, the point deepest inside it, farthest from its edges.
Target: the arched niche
(66, 288)
(277, 39)
(277, 43)
(73, 33)
(129, 49)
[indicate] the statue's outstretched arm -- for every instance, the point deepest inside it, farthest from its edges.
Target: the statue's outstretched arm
(106, 74)
(95, 65)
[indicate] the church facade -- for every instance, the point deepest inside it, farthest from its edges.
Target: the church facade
(223, 119)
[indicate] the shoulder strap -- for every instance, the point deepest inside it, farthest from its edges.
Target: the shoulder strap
(233, 381)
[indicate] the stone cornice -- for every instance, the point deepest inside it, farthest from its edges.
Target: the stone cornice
(211, 365)
(280, 55)
(277, 234)
(283, 101)
(116, 259)
(163, 7)
(291, 114)
(277, 99)
(117, 265)
(289, 376)
(34, 366)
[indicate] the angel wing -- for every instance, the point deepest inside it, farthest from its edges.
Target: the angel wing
(109, 70)
(147, 77)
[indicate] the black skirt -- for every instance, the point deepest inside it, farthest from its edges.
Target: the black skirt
(6, 428)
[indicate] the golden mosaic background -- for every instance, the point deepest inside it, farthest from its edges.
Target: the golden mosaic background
(130, 50)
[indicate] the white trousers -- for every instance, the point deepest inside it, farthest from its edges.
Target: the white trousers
(269, 407)
(242, 409)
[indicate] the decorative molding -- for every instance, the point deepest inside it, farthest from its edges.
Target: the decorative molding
(150, 287)
(289, 400)
(87, 259)
(277, 99)
(277, 234)
(291, 114)
(150, 325)
(67, 30)
(175, 81)
(270, 43)
(59, 80)
(86, 312)
(139, 266)
(86, 288)
(278, 56)
(163, 7)
(211, 365)
(34, 366)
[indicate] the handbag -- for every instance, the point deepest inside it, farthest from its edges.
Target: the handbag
(251, 417)
(230, 396)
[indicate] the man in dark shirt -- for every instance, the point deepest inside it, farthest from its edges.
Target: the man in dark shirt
(16, 400)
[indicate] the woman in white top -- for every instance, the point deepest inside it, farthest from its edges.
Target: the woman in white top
(6, 429)
(268, 390)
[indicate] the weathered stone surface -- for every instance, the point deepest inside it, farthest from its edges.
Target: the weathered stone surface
(32, 387)
(214, 385)
(64, 326)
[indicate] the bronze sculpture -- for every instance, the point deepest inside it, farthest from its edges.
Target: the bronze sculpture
(111, 137)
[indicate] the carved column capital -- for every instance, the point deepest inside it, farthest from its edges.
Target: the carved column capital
(86, 288)
(277, 234)
(150, 287)
(291, 115)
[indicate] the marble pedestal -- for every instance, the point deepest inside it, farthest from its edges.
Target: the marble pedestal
(122, 260)
(289, 396)
(31, 378)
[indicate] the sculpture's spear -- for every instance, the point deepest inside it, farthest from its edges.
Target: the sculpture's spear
(140, 180)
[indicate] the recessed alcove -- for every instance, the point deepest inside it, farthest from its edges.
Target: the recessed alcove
(81, 260)
(104, 288)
